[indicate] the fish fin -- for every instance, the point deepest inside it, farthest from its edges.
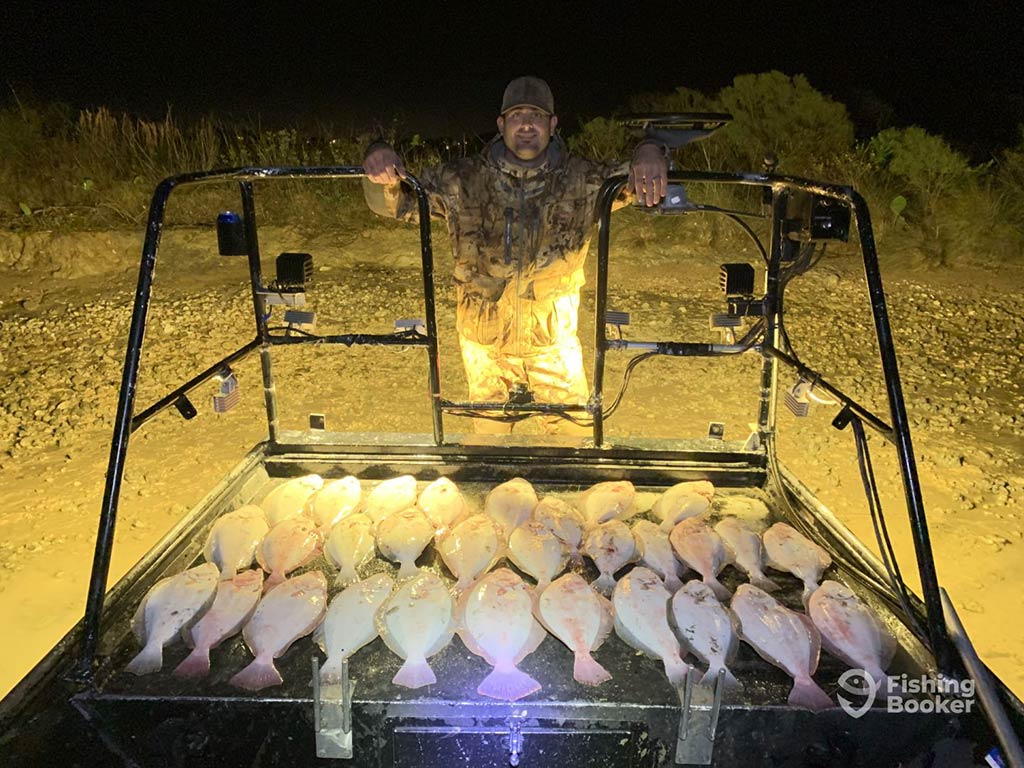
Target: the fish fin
(815, 638)
(533, 640)
(149, 660)
(607, 623)
(275, 578)
(667, 525)
(729, 682)
(473, 646)
(763, 582)
(718, 588)
(672, 582)
(809, 589)
(408, 569)
(808, 694)
(586, 670)
(414, 673)
(346, 577)
(887, 642)
(676, 669)
(508, 684)
(227, 572)
(605, 583)
(196, 664)
(139, 619)
(258, 675)
(771, 562)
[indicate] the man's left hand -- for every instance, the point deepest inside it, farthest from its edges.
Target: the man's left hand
(648, 174)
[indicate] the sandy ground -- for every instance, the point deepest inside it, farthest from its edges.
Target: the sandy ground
(63, 324)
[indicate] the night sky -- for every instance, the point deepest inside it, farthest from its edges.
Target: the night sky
(439, 68)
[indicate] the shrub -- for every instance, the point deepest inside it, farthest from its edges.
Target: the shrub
(927, 166)
(785, 115)
(963, 214)
(602, 139)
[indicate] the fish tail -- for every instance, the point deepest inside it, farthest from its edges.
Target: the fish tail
(272, 581)
(761, 581)
(717, 587)
(415, 673)
(408, 569)
(729, 681)
(809, 589)
(227, 572)
(587, 671)
(261, 673)
(330, 672)
(149, 660)
(667, 525)
(196, 664)
(807, 694)
(507, 684)
(605, 583)
(672, 582)
(346, 576)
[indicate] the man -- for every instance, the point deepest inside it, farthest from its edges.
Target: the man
(520, 216)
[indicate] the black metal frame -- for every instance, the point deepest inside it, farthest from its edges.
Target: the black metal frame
(125, 423)
(780, 186)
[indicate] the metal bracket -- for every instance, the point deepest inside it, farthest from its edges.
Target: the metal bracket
(332, 714)
(698, 720)
(515, 741)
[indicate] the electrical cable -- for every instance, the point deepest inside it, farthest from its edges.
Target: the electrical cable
(800, 523)
(885, 547)
(409, 333)
(750, 232)
(747, 342)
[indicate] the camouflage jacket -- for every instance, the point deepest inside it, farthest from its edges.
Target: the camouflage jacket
(519, 237)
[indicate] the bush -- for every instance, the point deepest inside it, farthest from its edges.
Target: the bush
(1009, 182)
(785, 115)
(602, 139)
(927, 166)
(963, 214)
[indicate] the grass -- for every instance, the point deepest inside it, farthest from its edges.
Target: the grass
(95, 169)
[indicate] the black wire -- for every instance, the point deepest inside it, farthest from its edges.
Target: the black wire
(805, 260)
(409, 333)
(750, 232)
(885, 547)
(807, 530)
(626, 375)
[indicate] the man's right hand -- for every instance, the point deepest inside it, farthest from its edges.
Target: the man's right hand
(382, 165)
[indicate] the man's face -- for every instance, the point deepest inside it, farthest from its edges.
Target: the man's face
(527, 131)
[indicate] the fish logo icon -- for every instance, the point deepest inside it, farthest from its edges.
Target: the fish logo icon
(859, 682)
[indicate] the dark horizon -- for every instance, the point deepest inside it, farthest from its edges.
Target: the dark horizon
(955, 74)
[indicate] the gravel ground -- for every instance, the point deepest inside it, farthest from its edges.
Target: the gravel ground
(64, 314)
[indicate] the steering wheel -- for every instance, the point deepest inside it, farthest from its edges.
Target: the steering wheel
(677, 129)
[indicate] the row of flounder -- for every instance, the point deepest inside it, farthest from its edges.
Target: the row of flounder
(497, 615)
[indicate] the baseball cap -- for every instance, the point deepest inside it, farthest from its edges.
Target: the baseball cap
(528, 92)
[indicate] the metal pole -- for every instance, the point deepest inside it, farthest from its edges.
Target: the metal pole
(167, 400)
(259, 308)
(901, 434)
(430, 310)
(770, 366)
(122, 433)
(608, 192)
(986, 689)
